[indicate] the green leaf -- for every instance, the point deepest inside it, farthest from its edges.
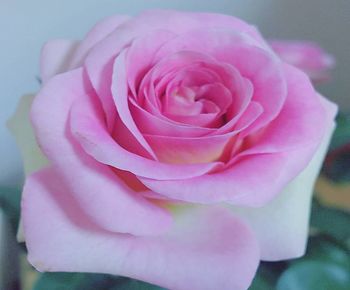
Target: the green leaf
(260, 283)
(74, 281)
(337, 164)
(10, 202)
(321, 248)
(130, 284)
(267, 275)
(89, 281)
(331, 221)
(312, 275)
(341, 135)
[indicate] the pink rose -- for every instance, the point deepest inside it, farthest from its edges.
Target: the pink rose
(181, 151)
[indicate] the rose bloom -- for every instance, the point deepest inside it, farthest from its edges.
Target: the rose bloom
(180, 150)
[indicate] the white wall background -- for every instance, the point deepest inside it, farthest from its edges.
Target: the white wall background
(26, 24)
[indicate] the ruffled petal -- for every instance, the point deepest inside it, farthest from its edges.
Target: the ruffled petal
(299, 122)
(20, 126)
(261, 67)
(55, 57)
(100, 31)
(33, 159)
(91, 133)
(282, 225)
(87, 179)
(207, 248)
(248, 181)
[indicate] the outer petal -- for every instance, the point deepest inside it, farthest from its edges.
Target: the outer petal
(207, 248)
(120, 95)
(61, 55)
(282, 225)
(182, 22)
(95, 35)
(55, 57)
(249, 181)
(99, 60)
(88, 128)
(115, 206)
(32, 157)
(258, 65)
(299, 123)
(183, 150)
(19, 124)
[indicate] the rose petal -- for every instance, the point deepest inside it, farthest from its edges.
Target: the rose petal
(120, 93)
(151, 124)
(182, 22)
(260, 66)
(21, 128)
(100, 31)
(55, 57)
(282, 225)
(99, 61)
(87, 179)
(89, 130)
(207, 248)
(210, 148)
(298, 123)
(241, 89)
(140, 56)
(249, 182)
(33, 158)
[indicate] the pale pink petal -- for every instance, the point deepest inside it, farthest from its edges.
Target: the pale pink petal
(20, 126)
(99, 60)
(207, 248)
(55, 57)
(157, 78)
(307, 56)
(32, 157)
(151, 124)
(120, 93)
(249, 181)
(180, 150)
(182, 22)
(260, 66)
(100, 31)
(210, 148)
(89, 130)
(282, 225)
(99, 67)
(140, 54)
(299, 122)
(115, 206)
(197, 68)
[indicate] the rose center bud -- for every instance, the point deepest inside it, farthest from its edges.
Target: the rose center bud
(186, 101)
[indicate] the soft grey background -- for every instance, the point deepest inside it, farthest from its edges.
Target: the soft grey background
(25, 25)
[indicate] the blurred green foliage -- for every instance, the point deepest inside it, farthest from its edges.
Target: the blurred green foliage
(85, 281)
(337, 164)
(10, 203)
(326, 264)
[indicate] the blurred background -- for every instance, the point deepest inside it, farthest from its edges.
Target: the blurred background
(26, 25)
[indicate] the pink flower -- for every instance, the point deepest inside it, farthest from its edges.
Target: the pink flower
(181, 150)
(307, 56)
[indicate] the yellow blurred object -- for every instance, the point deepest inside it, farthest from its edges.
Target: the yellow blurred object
(28, 274)
(333, 194)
